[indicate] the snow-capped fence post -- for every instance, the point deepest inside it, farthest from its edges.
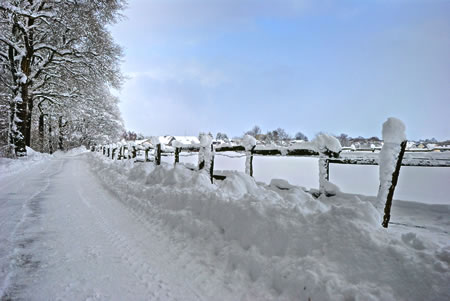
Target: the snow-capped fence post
(119, 155)
(328, 147)
(249, 143)
(177, 155)
(158, 154)
(128, 151)
(206, 155)
(390, 161)
(104, 150)
(324, 172)
(133, 151)
(113, 153)
(109, 150)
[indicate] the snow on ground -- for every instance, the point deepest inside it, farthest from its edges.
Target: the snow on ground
(11, 166)
(283, 240)
(85, 227)
(419, 184)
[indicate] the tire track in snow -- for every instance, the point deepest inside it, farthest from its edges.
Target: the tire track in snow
(9, 182)
(156, 287)
(143, 248)
(18, 259)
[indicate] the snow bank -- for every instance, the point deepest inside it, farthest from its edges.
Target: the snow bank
(12, 166)
(279, 236)
(71, 152)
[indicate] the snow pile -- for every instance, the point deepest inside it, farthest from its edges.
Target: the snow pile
(248, 142)
(71, 152)
(393, 131)
(12, 166)
(205, 140)
(393, 136)
(293, 246)
(327, 144)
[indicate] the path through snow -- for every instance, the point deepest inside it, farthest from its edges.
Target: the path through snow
(64, 237)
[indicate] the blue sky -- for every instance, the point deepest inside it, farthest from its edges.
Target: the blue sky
(302, 65)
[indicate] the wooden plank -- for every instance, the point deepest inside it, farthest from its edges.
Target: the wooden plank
(219, 177)
(302, 153)
(237, 148)
(410, 162)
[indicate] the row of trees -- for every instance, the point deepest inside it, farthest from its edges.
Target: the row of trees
(277, 135)
(58, 62)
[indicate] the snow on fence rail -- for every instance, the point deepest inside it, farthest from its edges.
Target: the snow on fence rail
(393, 155)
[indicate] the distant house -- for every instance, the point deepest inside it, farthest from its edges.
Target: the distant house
(185, 139)
(291, 142)
(411, 145)
(142, 141)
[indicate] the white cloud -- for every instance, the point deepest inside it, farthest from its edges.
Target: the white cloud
(186, 72)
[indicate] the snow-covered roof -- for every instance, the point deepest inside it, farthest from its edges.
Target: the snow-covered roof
(187, 139)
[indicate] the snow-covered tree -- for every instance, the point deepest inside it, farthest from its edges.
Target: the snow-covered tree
(255, 132)
(53, 53)
(300, 136)
(221, 136)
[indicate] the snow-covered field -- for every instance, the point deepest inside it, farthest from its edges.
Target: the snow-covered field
(420, 184)
(83, 227)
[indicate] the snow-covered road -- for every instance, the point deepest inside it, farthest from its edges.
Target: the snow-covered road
(64, 237)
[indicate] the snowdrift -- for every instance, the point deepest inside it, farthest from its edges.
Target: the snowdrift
(295, 246)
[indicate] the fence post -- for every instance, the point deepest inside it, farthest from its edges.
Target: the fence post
(128, 152)
(119, 156)
(133, 151)
(249, 143)
(390, 194)
(177, 155)
(249, 161)
(158, 154)
(206, 155)
(104, 150)
(211, 165)
(146, 154)
(324, 172)
(109, 150)
(389, 162)
(113, 153)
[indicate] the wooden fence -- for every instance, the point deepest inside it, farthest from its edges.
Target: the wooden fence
(207, 153)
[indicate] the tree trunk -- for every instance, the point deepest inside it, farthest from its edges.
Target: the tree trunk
(50, 134)
(61, 136)
(19, 127)
(41, 129)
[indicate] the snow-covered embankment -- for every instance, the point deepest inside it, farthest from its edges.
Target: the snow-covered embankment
(278, 236)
